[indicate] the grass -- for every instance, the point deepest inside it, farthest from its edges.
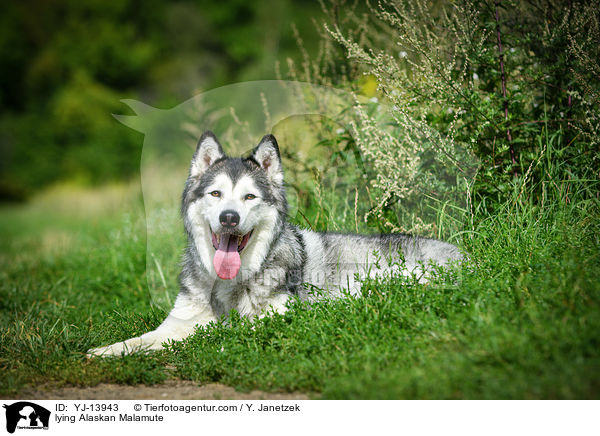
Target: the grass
(520, 322)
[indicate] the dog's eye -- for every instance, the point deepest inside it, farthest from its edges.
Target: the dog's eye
(249, 197)
(216, 193)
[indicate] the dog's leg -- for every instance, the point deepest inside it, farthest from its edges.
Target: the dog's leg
(277, 304)
(187, 314)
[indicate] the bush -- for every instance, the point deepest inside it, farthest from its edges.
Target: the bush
(504, 81)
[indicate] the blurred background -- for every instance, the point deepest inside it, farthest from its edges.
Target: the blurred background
(66, 64)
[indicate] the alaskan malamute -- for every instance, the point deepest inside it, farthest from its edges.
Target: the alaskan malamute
(242, 253)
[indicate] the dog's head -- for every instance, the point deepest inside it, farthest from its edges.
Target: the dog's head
(233, 206)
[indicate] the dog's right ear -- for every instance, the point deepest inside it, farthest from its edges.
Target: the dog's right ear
(207, 153)
(266, 155)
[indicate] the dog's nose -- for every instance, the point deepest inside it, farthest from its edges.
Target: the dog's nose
(229, 218)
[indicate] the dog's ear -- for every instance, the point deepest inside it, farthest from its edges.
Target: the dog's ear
(266, 155)
(207, 152)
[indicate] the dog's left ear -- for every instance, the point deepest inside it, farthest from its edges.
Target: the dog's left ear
(266, 154)
(207, 152)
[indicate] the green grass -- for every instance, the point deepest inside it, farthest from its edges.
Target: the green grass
(521, 321)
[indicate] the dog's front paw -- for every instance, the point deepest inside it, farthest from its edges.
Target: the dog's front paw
(144, 343)
(110, 350)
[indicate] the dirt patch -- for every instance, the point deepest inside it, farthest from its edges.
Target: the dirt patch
(169, 390)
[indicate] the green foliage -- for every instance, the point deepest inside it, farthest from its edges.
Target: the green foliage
(66, 67)
(438, 66)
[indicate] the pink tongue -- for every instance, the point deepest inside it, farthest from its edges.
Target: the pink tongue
(227, 259)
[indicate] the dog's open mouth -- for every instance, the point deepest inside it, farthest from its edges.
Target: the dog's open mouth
(227, 260)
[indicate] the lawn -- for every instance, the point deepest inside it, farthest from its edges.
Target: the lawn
(520, 321)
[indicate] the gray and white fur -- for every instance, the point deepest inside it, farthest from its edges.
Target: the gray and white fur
(243, 254)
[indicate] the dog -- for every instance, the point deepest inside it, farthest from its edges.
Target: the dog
(242, 253)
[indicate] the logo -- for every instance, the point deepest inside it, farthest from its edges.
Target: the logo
(26, 415)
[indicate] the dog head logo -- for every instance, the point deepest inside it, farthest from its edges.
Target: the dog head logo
(26, 415)
(239, 114)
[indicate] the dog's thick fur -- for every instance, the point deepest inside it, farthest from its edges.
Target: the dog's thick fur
(242, 253)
